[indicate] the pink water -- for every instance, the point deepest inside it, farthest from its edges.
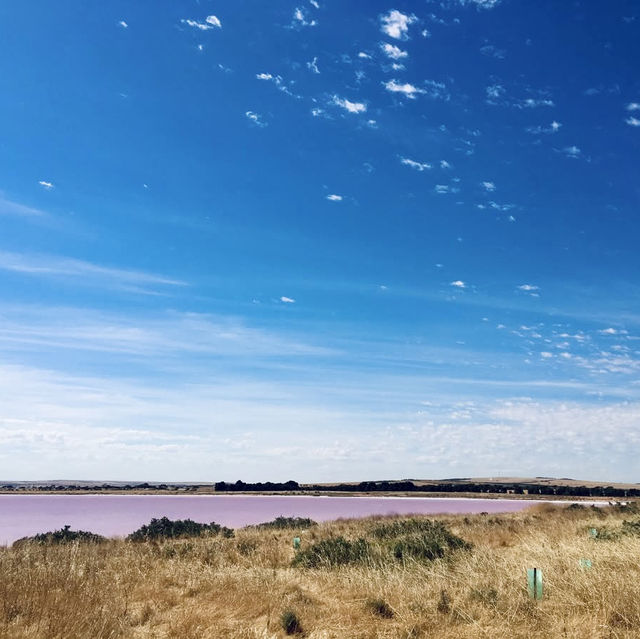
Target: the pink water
(118, 515)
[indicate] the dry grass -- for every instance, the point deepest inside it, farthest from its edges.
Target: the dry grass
(240, 587)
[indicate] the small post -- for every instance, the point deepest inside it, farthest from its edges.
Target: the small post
(593, 532)
(585, 564)
(296, 543)
(534, 582)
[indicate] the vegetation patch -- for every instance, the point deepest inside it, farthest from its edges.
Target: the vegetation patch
(335, 551)
(419, 539)
(165, 528)
(285, 523)
(379, 607)
(290, 623)
(63, 536)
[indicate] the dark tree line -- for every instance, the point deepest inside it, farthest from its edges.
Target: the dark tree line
(445, 487)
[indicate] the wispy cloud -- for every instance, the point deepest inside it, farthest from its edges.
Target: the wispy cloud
(392, 51)
(123, 24)
(300, 19)
(334, 198)
(7, 207)
(633, 106)
(631, 121)
(313, 66)
(287, 300)
(458, 284)
(418, 166)
(347, 105)
(211, 22)
(82, 272)
(46, 185)
(554, 127)
(489, 186)
(396, 24)
(572, 152)
(255, 118)
(528, 288)
(409, 90)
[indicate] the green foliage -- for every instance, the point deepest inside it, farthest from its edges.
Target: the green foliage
(335, 551)
(63, 536)
(419, 539)
(290, 623)
(165, 528)
(284, 523)
(379, 607)
(631, 528)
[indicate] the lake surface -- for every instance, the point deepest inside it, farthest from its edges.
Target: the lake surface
(118, 515)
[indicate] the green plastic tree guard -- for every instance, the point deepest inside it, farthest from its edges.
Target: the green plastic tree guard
(534, 582)
(593, 532)
(585, 564)
(296, 542)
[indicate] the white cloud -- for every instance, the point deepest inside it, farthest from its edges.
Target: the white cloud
(210, 22)
(364, 56)
(46, 185)
(13, 208)
(555, 126)
(546, 355)
(482, 4)
(489, 186)
(528, 287)
(572, 151)
(264, 76)
(631, 121)
(444, 164)
(494, 92)
(609, 331)
(316, 112)
(393, 52)
(443, 188)
(633, 106)
(256, 118)
(313, 65)
(352, 107)
(458, 284)
(532, 103)
(314, 3)
(85, 273)
(287, 300)
(406, 89)
(334, 198)
(300, 19)
(123, 24)
(419, 166)
(396, 24)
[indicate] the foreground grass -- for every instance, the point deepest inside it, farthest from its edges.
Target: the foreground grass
(250, 586)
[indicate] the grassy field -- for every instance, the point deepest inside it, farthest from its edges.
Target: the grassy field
(375, 577)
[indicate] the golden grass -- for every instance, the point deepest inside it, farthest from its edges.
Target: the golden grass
(239, 588)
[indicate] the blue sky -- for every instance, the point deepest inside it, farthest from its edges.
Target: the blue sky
(319, 240)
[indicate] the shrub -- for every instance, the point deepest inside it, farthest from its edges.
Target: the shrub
(283, 523)
(421, 539)
(63, 536)
(379, 607)
(290, 623)
(165, 528)
(631, 527)
(335, 551)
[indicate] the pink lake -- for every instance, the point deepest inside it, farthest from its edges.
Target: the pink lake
(118, 515)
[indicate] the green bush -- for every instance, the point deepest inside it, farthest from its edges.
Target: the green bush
(283, 523)
(290, 623)
(631, 527)
(63, 536)
(165, 528)
(420, 539)
(335, 551)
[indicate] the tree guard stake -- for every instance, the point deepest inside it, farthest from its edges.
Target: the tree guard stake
(534, 582)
